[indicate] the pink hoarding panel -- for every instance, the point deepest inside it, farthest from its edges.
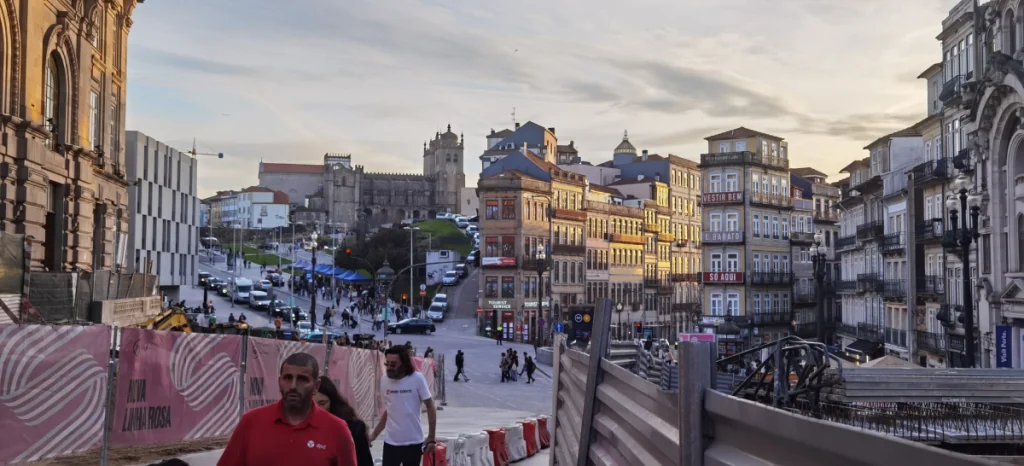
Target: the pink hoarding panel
(174, 386)
(263, 365)
(53, 385)
(357, 374)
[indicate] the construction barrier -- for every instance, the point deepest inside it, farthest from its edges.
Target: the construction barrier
(516, 443)
(438, 457)
(499, 449)
(544, 436)
(530, 436)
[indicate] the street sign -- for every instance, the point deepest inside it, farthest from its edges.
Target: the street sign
(479, 310)
(696, 337)
(540, 322)
(423, 287)
(559, 328)
(578, 318)
(423, 293)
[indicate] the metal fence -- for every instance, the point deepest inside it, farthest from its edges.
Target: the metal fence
(606, 415)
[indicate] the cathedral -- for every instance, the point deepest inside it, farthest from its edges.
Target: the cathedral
(367, 200)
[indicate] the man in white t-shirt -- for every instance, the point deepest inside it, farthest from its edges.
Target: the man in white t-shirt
(404, 390)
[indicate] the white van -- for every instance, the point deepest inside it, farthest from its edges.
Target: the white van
(240, 289)
(259, 301)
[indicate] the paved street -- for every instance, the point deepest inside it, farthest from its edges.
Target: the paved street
(457, 332)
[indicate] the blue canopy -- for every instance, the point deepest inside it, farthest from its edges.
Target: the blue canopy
(339, 273)
(353, 276)
(302, 264)
(325, 269)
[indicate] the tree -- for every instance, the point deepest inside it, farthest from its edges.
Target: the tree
(388, 243)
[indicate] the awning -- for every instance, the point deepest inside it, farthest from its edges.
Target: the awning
(865, 347)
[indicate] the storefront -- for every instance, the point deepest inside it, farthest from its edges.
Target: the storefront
(531, 320)
(501, 317)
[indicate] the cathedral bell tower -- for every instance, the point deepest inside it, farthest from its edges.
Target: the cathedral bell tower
(443, 160)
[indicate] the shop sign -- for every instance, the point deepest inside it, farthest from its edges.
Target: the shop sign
(721, 198)
(529, 304)
(1004, 346)
(498, 261)
(723, 277)
(498, 304)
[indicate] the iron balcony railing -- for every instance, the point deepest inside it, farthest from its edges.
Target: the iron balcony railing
(771, 278)
(651, 282)
(932, 170)
(893, 243)
(872, 332)
(844, 328)
(869, 282)
(931, 284)
(772, 317)
(846, 286)
(806, 329)
(827, 215)
(804, 297)
(740, 158)
(951, 90)
(934, 342)
(685, 277)
(950, 240)
(894, 289)
(805, 237)
(846, 242)
(896, 337)
(568, 250)
(929, 231)
(870, 231)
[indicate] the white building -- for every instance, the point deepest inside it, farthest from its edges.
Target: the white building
(469, 202)
(257, 207)
(164, 211)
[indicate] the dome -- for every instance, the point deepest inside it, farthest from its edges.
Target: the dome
(625, 147)
(449, 135)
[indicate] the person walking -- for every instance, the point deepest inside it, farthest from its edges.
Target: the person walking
(293, 430)
(528, 367)
(504, 365)
(460, 361)
(329, 399)
(404, 391)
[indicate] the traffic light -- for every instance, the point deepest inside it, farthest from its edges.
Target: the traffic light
(348, 251)
(639, 328)
(405, 296)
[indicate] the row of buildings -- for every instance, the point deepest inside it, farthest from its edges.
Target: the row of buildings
(255, 207)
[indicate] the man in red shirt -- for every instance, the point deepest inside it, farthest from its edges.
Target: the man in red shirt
(294, 430)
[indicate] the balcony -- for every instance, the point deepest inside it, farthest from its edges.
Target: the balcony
(741, 158)
(931, 171)
(771, 200)
(802, 297)
(892, 243)
(866, 331)
(684, 278)
(868, 283)
(666, 237)
(895, 337)
(846, 242)
(771, 278)
(806, 329)
(721, 237)
(846, 286)
(870, 231)
(772, 318)
(929, 231)
(951, 240)
(686, 308)
(651, 283)
(827, 215)
(894, 289)
(529, 262)
(951, 91)
(933, 342)
(844, 328)
(681, 243)
(803, 204)
(801, 237)
(666, 288)
(734, 197)
(568, 250)
(627, 239)
(931, 285)
(652, 227)
(570, 214)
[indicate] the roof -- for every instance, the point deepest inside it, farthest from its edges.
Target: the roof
(650, 157)
(856, 163)
(625, 147)
(290, 168)
(509, 174)
(740, 133)
(543, 164)
(570, 148)
(627, 181)
(257, 189)
(606, 190)
(903, 133)
(500, 134)
(807, 171)
(930, 71)
(280, 197)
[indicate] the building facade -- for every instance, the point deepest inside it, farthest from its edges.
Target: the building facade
(297, 180)
(164, 211)
(62, 169)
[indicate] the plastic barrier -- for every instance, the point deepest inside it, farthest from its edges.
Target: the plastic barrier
(516, 443)
(530, 435)
(457, 452)
(478, 449)
(499, 448)
(542, 432)
(438, 457)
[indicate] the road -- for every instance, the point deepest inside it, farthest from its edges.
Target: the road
(457, 332)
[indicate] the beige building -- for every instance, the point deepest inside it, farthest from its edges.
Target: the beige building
(62, 171)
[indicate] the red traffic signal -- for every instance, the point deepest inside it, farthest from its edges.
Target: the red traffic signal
(348, 251)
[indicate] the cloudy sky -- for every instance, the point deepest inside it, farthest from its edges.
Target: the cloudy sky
(287, 81)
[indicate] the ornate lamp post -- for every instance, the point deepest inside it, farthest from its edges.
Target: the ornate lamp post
(618, 310)
(818, 257)
(312, 300)
(542, 263)
(385, 275)
(968, 233)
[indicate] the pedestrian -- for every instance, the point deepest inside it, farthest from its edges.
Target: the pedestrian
(293, 430)
(404, 391)
(329, 399)
(460, 361)
(429, 353)
(497, 337)
(503, 365)
(528, 367)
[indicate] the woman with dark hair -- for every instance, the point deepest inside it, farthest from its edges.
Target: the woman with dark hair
(329, 399)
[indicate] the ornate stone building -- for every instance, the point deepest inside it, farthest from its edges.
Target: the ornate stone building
(367, 200)
(63, 72)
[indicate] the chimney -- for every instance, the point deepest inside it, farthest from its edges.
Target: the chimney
(517, 125)
(552, 130)
(526, 148)
(644, 156)
(571, 143)
(492, 130)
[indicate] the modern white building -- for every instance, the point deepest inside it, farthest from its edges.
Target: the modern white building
(164, 219)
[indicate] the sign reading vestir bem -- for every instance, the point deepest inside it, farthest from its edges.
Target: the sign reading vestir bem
(175, 386)
(263, 365)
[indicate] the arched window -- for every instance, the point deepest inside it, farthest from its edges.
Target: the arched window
(1020, 242)
(1010, 29)
(52, 96)
(455, 157)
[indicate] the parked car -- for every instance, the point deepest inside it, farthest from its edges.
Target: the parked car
(276, 279)
(472, 229)
(461, 222)
(424, 326)
(451, 278)
(462, 270)
(259, 300)
(443, 216)
(304, 328)
(441, 299)
(263, 285)
(203, 277)
(436, 313)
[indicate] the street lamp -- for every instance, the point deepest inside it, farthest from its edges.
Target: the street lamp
(542, 263)
(968, 234)
(312, 301)
(818, 256)
(550, 212)
(618, 310)
(385, 275)
(412, 240)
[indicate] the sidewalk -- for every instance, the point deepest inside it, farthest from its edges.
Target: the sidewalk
(451, 422)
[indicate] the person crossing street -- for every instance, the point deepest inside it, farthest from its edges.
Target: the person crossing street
(460, 360)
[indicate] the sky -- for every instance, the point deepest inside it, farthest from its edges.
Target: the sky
(288, 81)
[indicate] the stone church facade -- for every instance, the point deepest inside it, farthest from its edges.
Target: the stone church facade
(366, 200)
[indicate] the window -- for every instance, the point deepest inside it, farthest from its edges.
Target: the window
(741, 146)
(775, 227)
(755, 183)
(716, 304)
(52, 114)
(491, 287)
(775, 263)
(508, 287)
(733, 304)
(508, 246)
(508, 209)
(764, 184)
(766, 303)
(732, 262)
(716, 222)
(757, 303)
(757, 226)
(775, 186)
(732, 222)
(115, 124)
(716, 262)
(785, 263)
(723, 147)
(785, 229)
(491, 209)
(716, 183)
(764, 225)
(732, 182)
(96, 137)
(757, 262)
(491, 246)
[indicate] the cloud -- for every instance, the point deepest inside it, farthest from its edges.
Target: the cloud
(858, 127)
